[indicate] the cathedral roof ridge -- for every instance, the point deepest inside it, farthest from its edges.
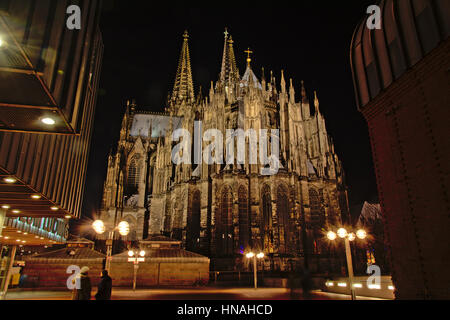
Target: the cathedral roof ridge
(156, 113)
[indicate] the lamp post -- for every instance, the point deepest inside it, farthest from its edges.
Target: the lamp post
(99, 227)
(136, 257)
(343, 234)
(254, 256)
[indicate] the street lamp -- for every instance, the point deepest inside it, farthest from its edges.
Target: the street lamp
(136, 257)
(100, 228)
(343, 234)
(251, 255)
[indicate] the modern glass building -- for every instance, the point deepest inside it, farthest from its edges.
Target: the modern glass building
(401, 76)
(49, 76)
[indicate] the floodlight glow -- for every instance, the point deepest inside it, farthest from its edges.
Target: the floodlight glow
(36, 196)
(10, 180)
(361, 234)
(342, 233)
(99, 226)
(331, 235)
(357, 285)
(48, 121)
(260, 255)
(250, 255)
(351, 236)
(124, 228)
(6, 207)
(342, 284)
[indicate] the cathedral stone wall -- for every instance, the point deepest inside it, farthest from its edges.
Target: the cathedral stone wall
(224, 210)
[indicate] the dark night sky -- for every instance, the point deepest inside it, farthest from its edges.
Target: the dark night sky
(309, 41)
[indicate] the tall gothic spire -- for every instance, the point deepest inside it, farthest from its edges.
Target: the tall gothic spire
(229, 71)
(184, 87)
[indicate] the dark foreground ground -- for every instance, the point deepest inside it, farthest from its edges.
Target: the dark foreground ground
(187, 294)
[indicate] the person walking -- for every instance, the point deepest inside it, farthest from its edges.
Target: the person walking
(306, 285)
(83, 292)
(104, 287)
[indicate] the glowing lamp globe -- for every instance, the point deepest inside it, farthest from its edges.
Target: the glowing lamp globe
(124, 228)
(342, 233)
(142, 253)
(131, 253)
(260, 255)
(351, 236)
(361, 234)
(99, 226)
(331, 235)
(250, 255)
(48, 121)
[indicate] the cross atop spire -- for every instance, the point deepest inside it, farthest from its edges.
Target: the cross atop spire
(248, 52)
(184, 87)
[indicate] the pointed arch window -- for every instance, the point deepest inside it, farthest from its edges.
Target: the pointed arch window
(224, 224)
(266, 225)
(284, 225)
(317, 214)
(133, 174)
(193, 224)
(244, 223)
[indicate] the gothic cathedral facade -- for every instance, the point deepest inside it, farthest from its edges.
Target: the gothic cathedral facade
(224, 210)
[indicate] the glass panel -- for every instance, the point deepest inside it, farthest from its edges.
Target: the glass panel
(371, 64)
(413, 50)
(426, 25)
(361, 76)
(392, 36)
(443, 13)
(383, 56)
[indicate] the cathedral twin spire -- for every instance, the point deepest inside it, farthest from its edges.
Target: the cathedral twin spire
(183, 89)
(229, 71)
(184, 86)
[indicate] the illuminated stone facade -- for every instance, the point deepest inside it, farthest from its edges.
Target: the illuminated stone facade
(224, 210)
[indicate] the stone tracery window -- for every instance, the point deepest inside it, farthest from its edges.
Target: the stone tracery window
(193, 223)
(266, 225)
(284, 236)
(224, 224)
(317, 214)
(133, 175)
(244, 223)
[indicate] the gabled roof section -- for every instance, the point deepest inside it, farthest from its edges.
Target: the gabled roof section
(157, 124)
(249, 78)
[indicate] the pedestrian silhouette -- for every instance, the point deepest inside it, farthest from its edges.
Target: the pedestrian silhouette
(83, 292)
(306, 285)
(104, 287)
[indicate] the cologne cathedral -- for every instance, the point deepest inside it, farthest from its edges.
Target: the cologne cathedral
(220, 210)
